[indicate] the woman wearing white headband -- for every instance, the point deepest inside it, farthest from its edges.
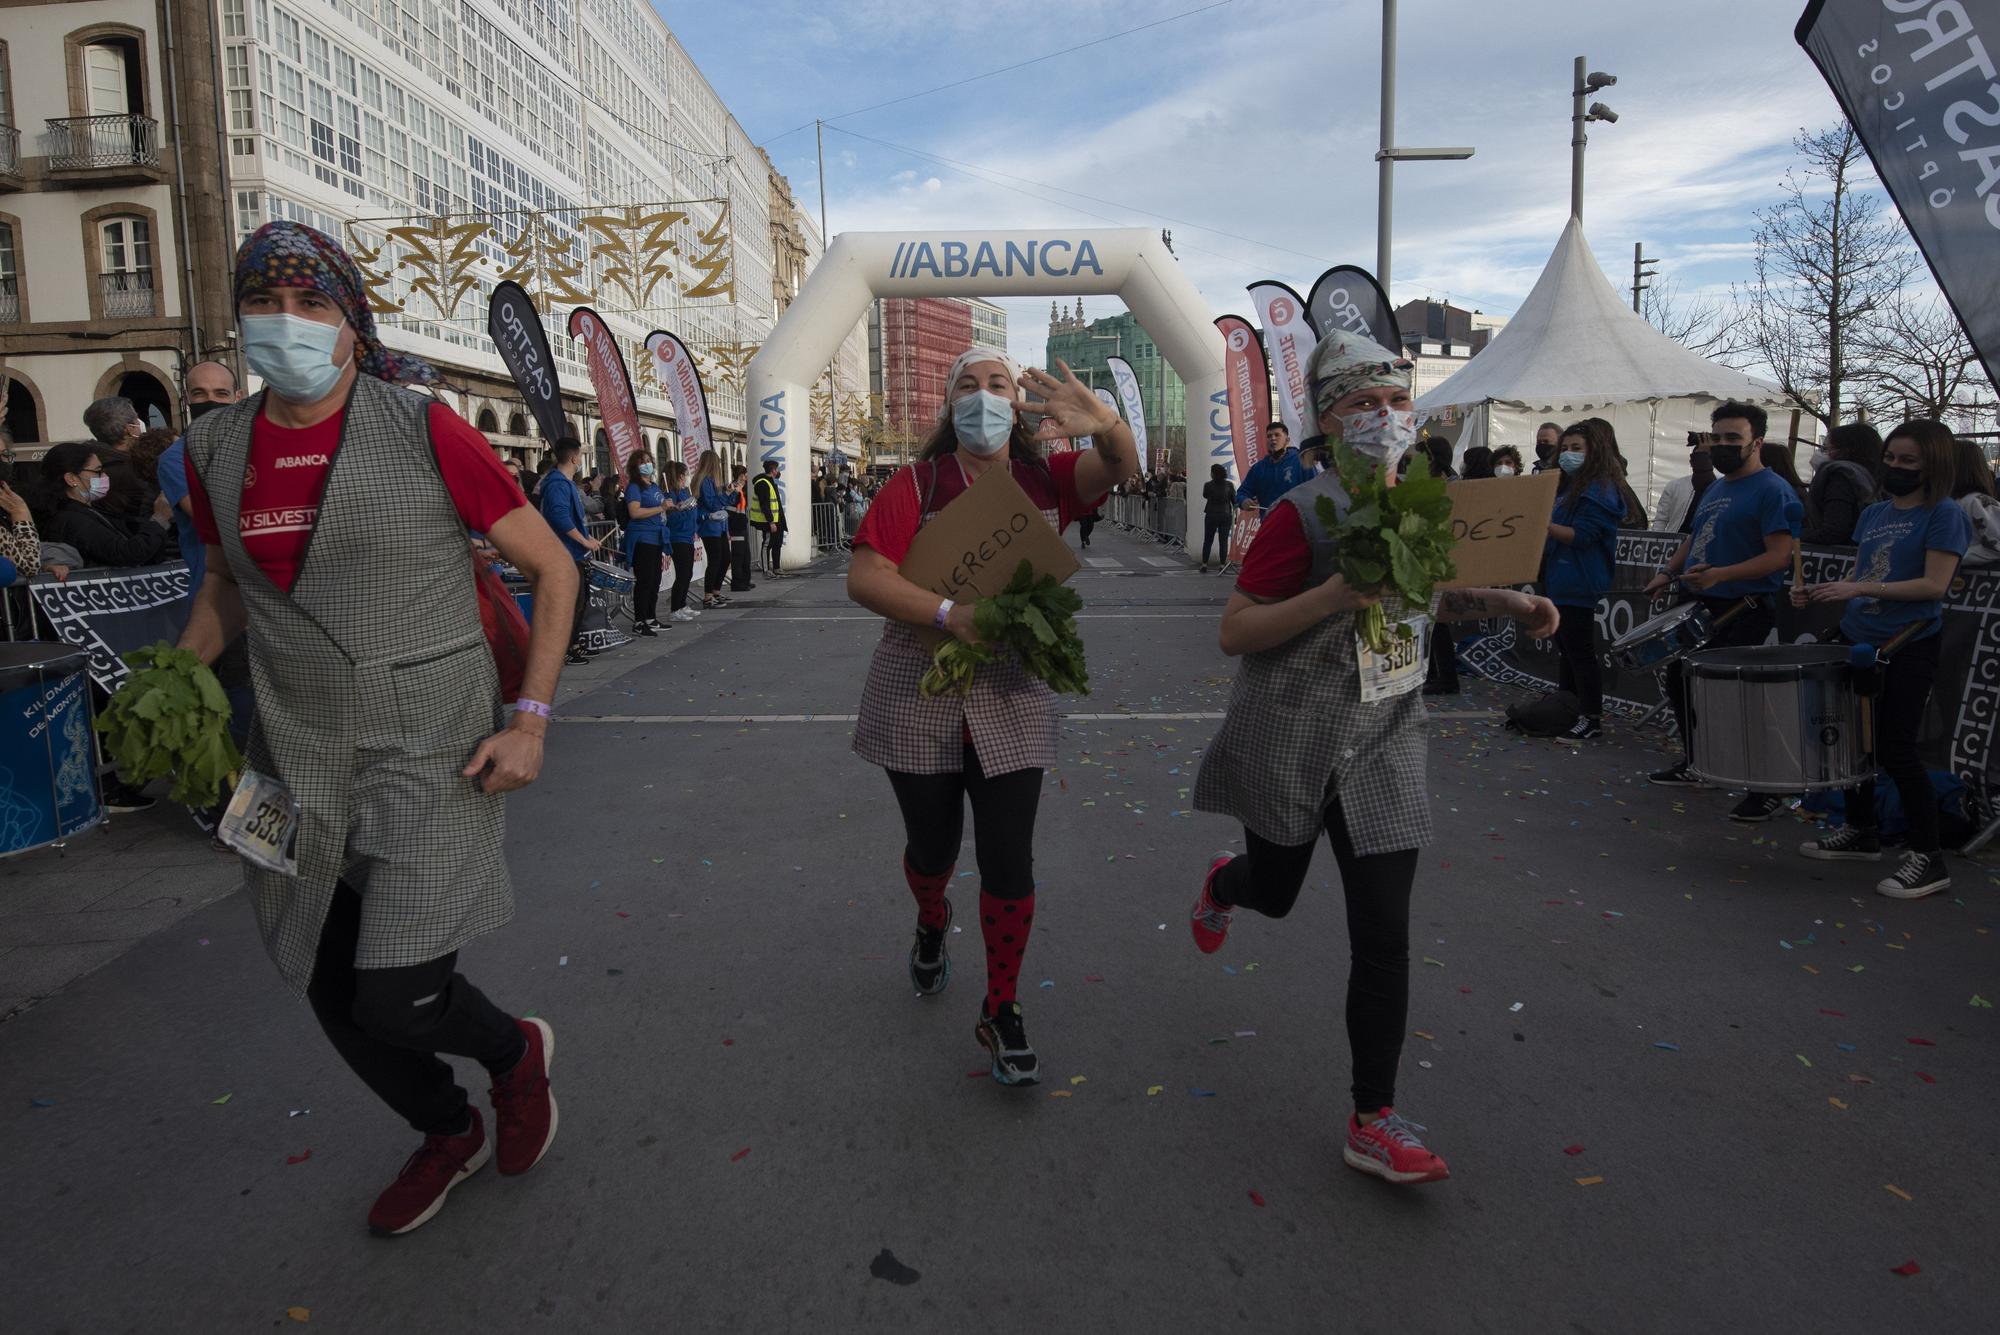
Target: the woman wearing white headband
(1322, 735)
(991, 744)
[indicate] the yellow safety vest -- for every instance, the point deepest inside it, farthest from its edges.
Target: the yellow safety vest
(765, 507)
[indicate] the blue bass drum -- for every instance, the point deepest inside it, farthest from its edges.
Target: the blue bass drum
(48, 774)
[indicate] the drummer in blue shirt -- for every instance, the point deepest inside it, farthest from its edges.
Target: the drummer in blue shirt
(1737, 548)
(1276, 473)
(645, 539)
(1907, 550)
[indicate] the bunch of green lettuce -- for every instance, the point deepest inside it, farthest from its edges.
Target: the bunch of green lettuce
(1395, 537)
(1035, 618)
(170, 717)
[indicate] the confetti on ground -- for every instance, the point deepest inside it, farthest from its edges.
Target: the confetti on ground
(224, 1099)
(1588, 1181)
(1927, 1077)
(1078, 1079)
(1906, 1269)
(1809, 968)
(1428, 1038)
(563, 962)
(1059, 1094)
(738, 1156)
(1981, 1002)
(974, 1075)
(300, 1157)
(1803, 1060)
(1895, 1190)
(41, 1103)
(1838, 1015)
(1859, 1080)
(1429, 960)
(1229, 969)
(1257, 1198)
(304, 1314)
(1572, 1149)
(1836, 1103)
(1516, 1006)
(1048, 982)
(1093, 978)
(1246, 1033)
(1201, 1093)
(1922, 1043)
(1152, 1090)
(1668, 1047)
(1852, 968)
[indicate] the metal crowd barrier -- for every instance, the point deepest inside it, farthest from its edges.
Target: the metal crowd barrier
(1162, 518)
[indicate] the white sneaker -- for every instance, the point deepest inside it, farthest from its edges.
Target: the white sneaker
(682, 615)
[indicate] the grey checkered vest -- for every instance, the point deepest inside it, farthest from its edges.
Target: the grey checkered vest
(374, 685)
(1297, 735)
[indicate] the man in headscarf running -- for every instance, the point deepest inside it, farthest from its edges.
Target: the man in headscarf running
(334, 508)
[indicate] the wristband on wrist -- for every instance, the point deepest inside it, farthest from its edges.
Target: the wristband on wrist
(944, 610)
(535, 707)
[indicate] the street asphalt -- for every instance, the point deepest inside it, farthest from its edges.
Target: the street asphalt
(1685, 1079)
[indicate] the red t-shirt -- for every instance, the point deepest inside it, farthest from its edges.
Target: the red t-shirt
(1279, 559)
(897, 511)
(286, 477)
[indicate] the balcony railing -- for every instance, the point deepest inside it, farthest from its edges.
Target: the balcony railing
(82, 143)
(129, 294)
(10, 299)
(10, 151)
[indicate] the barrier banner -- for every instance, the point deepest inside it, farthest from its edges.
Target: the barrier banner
(1962, 727)
(1916, 81)
(1348, 297)
(613, 383)
(1135, 407)
(109, 613)
(516, 329)
(1247, 377)
(675, 369)
(1288, 341)
(1243, 532)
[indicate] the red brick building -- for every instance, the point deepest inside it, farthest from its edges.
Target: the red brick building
(920, 338)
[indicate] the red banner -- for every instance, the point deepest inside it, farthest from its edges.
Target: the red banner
(1249, 382)
(608, 376)
(1243, 532)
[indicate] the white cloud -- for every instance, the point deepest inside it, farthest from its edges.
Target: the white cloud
(932, 185)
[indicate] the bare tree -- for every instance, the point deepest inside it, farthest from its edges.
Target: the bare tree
(1828, 257)
(1703, 325)
(1918, 361)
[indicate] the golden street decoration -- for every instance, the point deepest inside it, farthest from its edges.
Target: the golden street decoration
(718, 275)
(443, 254)
(635, 248)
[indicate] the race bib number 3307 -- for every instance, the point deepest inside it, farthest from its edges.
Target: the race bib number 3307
(1399, 669)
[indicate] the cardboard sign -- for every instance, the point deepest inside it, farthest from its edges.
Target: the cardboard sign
(1498, 526)
(971, 548)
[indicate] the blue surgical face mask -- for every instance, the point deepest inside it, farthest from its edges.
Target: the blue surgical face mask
(983, 422)
(1571, 460)
(293, 355)
(645, 470)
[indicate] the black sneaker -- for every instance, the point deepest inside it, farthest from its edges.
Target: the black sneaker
(122, 797)
(1849, 843)
(1584, 729)
(1757, 807)
(930, 957)
(1921, 874)
(1674, 776)
(576, 658)
(645, 628)
(1006, 1038)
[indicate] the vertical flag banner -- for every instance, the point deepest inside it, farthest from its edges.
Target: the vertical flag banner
(1916, 81)
(1348, 297)
(1247, 376)
(516, 329)
(674, 368)
(1289, 340)
(1135, 407)
(608, 376)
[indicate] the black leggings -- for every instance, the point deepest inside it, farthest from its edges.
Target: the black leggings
(390, 1024)
(716, 548)
(683, 573)
(646, 581)
(1582, 671)
(1267, 878)
(1003, 823)
(1211, 529)
(1899, 718)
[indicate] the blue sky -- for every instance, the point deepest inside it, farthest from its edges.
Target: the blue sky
(1258, 119)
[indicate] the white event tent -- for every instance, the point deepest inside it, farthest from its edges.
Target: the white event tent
(1576, 350)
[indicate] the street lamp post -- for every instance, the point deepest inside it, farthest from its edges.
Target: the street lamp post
(1388, 155)
(1583, 86)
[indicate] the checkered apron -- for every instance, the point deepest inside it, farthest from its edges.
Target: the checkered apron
(374, 684)
(1010, 714)
(1297, 735)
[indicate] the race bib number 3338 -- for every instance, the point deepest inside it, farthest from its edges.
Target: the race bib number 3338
(1399, 669)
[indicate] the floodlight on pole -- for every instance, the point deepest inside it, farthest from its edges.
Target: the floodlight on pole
(1388, 155)
(1583, 86)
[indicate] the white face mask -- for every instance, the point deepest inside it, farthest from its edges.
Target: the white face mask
(1820, 458)
(1381, 434)
(983, 422)
(1503, 470)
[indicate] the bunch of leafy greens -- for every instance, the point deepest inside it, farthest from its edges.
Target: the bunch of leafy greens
(1034, 618)
(170, 717)
(1395, 537)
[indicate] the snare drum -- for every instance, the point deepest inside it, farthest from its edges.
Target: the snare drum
(1777, 718)
(615, 580)
(48, 774)
(1651, 645)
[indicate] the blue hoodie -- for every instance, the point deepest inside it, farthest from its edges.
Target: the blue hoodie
(1578, 573)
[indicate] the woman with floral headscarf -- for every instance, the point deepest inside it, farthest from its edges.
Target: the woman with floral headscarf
(334, 507)
(1321, 733)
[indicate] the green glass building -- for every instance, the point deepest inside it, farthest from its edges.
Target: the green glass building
(1087, 345)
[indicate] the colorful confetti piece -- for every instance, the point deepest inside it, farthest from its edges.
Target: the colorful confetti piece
(1588, 1181)
(1906, 1269)
(1257, 1198)
(1895, 1190)
(738, 1156)
(300, 1157)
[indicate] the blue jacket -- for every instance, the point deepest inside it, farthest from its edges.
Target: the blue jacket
(1577, 574)
(680, 523)
(1270, 478)
(562, 506)
(712, 501)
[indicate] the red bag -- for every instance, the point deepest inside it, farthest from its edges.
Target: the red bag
(506, 629)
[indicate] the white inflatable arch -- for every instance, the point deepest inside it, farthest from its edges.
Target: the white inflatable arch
(1129, 263)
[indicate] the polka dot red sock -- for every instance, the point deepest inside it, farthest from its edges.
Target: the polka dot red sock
(929, 892)
(1005, 924)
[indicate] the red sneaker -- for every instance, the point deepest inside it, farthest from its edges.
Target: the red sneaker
(524, 1111)
(1210, 921)
(440, 1163)
(1388, 1147)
